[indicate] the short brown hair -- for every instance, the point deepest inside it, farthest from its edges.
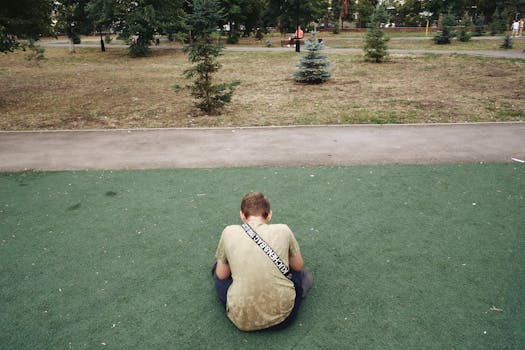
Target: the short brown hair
(255, 204)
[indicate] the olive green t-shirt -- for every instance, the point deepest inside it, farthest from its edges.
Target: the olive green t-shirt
(260, 295)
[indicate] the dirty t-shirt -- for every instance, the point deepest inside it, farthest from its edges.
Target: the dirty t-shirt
(260, 295)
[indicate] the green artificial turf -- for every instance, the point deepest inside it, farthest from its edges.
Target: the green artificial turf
(405, 257)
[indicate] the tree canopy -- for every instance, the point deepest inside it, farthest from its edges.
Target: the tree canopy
(24, 19)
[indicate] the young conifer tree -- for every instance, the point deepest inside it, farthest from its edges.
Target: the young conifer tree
(203, 52)
(375, 44)
(447, 33)
(507, 42)
(313, 66)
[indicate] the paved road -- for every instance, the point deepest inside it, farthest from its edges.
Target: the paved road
(268, 146)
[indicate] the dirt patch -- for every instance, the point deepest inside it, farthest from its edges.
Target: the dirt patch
(90, 89)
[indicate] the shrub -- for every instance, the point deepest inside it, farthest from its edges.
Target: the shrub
(36, 52)
(464, 35)
(233, 38)
(336, 29)
(507, 42)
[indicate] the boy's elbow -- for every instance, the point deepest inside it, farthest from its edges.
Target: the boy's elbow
(222, 270)
(296, 262)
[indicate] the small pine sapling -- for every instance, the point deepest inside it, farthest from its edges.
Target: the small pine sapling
(507, 42)
(446, 34)
(203, 53)
(313, 65)
(375, 44)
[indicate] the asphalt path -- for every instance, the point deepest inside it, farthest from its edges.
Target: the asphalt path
(483, 53)
(262, 146)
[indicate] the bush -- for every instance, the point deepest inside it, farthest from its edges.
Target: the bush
(336, 29)
(36, 52)
(138, 49)
(233, 38)
(507, 42)
(464, 35)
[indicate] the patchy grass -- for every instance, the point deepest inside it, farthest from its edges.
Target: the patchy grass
(91, 89)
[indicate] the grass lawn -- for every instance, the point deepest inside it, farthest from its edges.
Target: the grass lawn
(91, 89)
(405, 257)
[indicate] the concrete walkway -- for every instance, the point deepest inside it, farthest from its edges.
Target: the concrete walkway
(268, 146)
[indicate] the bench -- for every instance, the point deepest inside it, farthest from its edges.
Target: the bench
(287, 42)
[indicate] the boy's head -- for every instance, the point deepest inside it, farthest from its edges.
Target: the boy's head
(255, 204)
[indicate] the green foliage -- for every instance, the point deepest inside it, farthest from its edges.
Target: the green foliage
(507, 42)
(73, 19)
(233, 38)
(203, 52)
(365, 9)
(446, 34)
(479, 26)
(286, 14)
(336, 29)
(375, 43)
(103, 13)
(498, 24)
(23, 19)
(8, 43)
(313, 65)
(464, 34)
(36, 52)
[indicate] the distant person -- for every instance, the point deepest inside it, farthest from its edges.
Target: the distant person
(299, 34)
(259, 275)
(522, 24)
(515, 28)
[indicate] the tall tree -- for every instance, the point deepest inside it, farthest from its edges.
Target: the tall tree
(288, 14)
(365, 9)
(139, 20)
(23, 19)
(103, 14)
(73, 20)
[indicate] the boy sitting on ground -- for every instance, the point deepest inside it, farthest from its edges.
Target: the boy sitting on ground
(259, 274)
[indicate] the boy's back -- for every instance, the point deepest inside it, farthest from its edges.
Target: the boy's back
(260, 295)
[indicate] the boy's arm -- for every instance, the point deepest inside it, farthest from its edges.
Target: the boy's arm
(222, 270)
(296, 262)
